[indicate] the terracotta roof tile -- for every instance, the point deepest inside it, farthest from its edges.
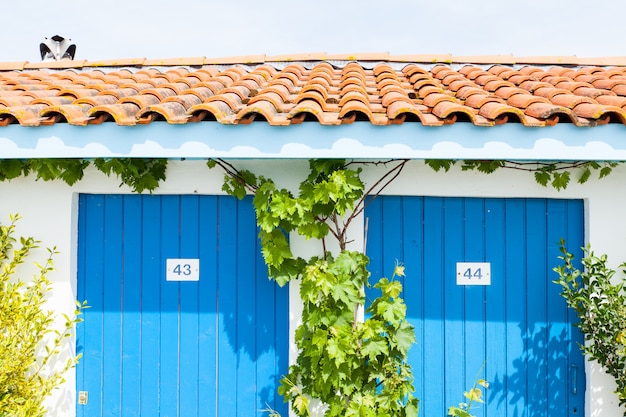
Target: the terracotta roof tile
(329, 89)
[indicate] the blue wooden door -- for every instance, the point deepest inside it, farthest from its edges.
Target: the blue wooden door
(152, 347)
(518, 329)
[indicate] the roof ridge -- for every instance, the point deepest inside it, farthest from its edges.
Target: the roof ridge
(320, 57)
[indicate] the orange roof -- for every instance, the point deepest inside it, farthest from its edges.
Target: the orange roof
(433, 90)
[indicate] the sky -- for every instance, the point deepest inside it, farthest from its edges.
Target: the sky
(113, 29)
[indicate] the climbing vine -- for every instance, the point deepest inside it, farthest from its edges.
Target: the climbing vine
(355, 367)
(145, 174)
(557, 174)
(140, 174)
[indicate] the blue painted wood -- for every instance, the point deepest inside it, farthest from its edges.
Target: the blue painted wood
(131, 306)
(112, 305)
(511, 385)
(278, 351)
(495, 309)
(246, 319)
(475, 307)
(169, 352)
(519, 326)
(536, 312)
(227, 298)
(575, 374)
(155, 348)
(433, 306)
(151, 269)
(453, 300)
(413, 249)
(189, 236)
(207, 315)
(81, 295)
(90, 284)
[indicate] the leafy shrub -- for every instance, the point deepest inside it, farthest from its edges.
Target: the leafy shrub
(30, 344)
(599, 300)
(354, 367)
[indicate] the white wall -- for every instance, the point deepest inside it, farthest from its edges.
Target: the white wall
(49, 212)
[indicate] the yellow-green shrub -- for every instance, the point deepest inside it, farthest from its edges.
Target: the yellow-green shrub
(30, 342)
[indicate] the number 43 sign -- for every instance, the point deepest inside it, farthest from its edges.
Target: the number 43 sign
(182, 270)
(473, 273)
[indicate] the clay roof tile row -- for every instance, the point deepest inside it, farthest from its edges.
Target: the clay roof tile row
(382, 92)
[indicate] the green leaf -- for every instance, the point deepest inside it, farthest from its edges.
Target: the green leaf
(584, 176)
(137, 173)
(374, 347)
(12, 168)
(560, 180)
(606, 170)
(458, 412)
(439, 164)
(542, 177)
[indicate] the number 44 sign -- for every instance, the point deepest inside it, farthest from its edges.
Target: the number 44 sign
(182, 270)
(473, 273)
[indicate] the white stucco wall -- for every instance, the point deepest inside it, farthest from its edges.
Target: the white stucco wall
(49, 211)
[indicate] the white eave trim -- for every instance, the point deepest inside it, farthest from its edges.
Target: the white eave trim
(312, 140)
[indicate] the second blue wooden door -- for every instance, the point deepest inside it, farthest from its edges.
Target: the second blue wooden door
(516, 333)
(156, 348)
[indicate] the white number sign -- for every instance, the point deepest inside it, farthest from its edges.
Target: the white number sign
(473, 273)
(182, 270)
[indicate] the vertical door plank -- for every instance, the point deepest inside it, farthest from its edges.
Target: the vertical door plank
(265, 311)
(495, 324)
(433, 344)
(227, 308)
(537, 333)
(151, 277)
(413, 259)
(131, 308)
(169, 346)
(189, 236)
(475, 339)
(247, 402)
(392, 235)
(92, 279)
(557, 325)
(207, 316)
(454, 299)
(81, 293)
(280, 349)
(511, 388)
(576, 363)
(112, 306)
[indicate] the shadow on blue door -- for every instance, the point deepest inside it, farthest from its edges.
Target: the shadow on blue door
(155, 347)
(517, 330)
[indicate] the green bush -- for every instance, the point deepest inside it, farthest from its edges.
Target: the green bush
(30, 343)
(353, 366)
(599, 300)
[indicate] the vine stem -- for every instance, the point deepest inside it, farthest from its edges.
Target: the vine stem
(234, 173)
(385, 180)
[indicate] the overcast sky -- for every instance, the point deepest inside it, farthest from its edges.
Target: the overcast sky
(110, 29)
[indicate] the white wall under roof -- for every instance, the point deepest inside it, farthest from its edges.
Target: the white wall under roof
(49, 213)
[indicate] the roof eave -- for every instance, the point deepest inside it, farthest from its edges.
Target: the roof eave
(312, 140)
